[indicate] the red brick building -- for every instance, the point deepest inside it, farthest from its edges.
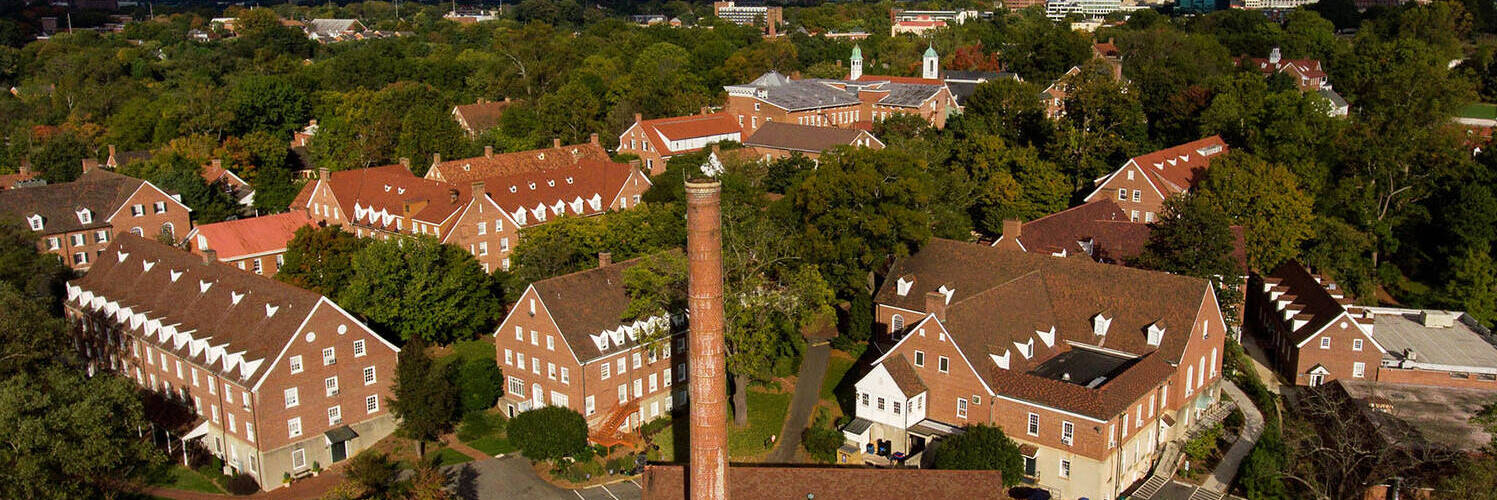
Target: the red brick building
(1142, 184)
(779, 140)
(23, 177)
(855, 102)
(479, 117)
(656, 141)
(563, 344)
(1307, 73)
(256, 244)
(279, 378)
(77, 220)
(1099, 230)
(1315, 334)
(1092, 368)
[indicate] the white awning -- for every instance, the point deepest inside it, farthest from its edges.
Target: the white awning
(197, 432)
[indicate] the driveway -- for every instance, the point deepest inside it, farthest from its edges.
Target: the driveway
(511, 477)
(807, 394)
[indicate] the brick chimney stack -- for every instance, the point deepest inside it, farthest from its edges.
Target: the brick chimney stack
(1012, 228)
(605, 259)
(593, 139)
(935, 303)
(555, 142)
(708, 369)
(406, 162)
(478, 190)
(488, 151)
(210, 256)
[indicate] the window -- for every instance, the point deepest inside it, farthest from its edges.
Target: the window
(654, 355)
(298, 456)
(681, 372)
(589, 406)
(371, 404)
(36, 222)
(535, 338)
(334, 415)
(896, 323)
(101, 236)
(1067, 433)
(1190, 374)
(80, 258)
(53, 243)
(369, 377)
(1034, 424)
(520, 360)
(961, 408)
(535, 365)
(137, 210)
(231, 421)
(919, 358)
(295, 364)
(566, 376)
(1358, 369)
(358, 348)
(331, 384)
(520, 332)
(880, 403)
(1138, 417)
(603, 371)
(639, 388)
(637, 362)
(1356, 344)
(77, 239)
(1065, 468)
(212, 389)
(1325, 342)
(865, 399)
(1137, 195)
(329, 356)
(550, 343)
(159, 206)
(1130, 175)
(1123, 194)
(258, 268)
(943, 364)
(551, 371)
(623, 393)
(896, 407)
(483, 228)
(179, 368)
(136, 231)
(483, 248)
(666, 376)
(517, 387)
(293, 397)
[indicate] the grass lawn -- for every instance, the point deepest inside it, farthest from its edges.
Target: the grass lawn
(493, 445)
(449, 456)
(765, 417)
(836, 368)
(465, 350)
(182, 478)
(666, 440)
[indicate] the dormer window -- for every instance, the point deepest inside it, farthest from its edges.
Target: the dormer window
(1100, 324)
(513, 189)
(569, 180)
(85, 216)
(36, 222)
(550, 182)
(1156, 334)
(902, 286)
(532, 186)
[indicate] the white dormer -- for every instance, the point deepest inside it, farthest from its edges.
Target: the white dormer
(560, 208)
(122, 255)
(235, 297)
(1026, 349)
(174, 274)
(85, 216)
(1100, 324)
(948, 292)
(577, 205)
(513, 188)
(1048, 337)
(1156, 334)
(146, 265)
(270, 310)
(616, 335)
(601, 340)
(1001, 361)
(1185, 157)
(569, 180)
(550, 182)
(36, 221)
(596, 202)
(203, 286)
(902, 286)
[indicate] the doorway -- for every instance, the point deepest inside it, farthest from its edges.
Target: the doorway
(340, 451)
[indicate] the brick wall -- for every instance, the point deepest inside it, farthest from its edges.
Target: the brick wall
(1149, 199)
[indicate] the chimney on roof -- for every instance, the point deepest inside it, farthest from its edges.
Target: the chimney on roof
(453, 194)
(605, 259)
(436, 158)
(935, 303)
(593, 139)
(89, 164)
(555, 142)
(111, 153)
(25, 167)
(488, 151)
(506, 99)
(478, 189)
(217, 163)
(634, 163)
(1012, 228)
(707, 472)
(322, 173)
(210, 255)
(638, 118)
(482, 100)
(312, 122)
(706, 110)
(405, 162)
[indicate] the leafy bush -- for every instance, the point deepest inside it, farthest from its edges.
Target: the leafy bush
(548, 433)
(372, 470)
(822, 443)
(621, 464)
(652, 427)
(480, 382)
(478, 425)
(241, 484)
(981, 447)
(1201, 446)
(1234, 420)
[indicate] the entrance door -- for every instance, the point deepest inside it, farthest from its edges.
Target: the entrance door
(537, 399)
(340, 451)
(1030, 466)
(1316, 379)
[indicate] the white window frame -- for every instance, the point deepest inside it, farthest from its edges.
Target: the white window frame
(295, 363)
(293, 397)
(1068, 433)
(371, 404)
(370, 376)
(293, 427)
(1033, 427)
(943, 364)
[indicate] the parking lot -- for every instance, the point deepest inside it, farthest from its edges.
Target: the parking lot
(511, 477)
(627, 490)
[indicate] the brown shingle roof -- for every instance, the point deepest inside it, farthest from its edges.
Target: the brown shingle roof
(1113, 237)
(804, 138)
(660, 131)
(586, 303)
(390, 187)
(577, 186)
(904, 376)
(167, 284)
(668, 482)
(478, 117)
(1180, 167)
(244, 237)
(467, 170)
(100, 191)
(1317, 306)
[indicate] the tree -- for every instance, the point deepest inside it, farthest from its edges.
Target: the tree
(480, 382)
(268, 104)
(179, 174)
(1473, 285)
(36, 277)
(981, 447)
(425, 400)
(548, 433)
(60, 158)
(419, 288)
(1193, 237)
(320, 259)
(1266, 201)
(1009, 182)
(372, 471)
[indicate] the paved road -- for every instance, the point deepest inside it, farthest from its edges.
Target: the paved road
(511, 477)
(807, 393)
(1251, 429)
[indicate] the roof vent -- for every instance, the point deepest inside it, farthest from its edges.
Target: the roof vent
(1066, 376)
(550, 182)
(400, 191)
(540, 156)
(1210, 150)
(532, 186)
(467, 167)
(513, 189)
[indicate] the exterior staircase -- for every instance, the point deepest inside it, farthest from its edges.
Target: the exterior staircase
(608, 433)
(1213, 416)
(1203, 493)
(1164, 469)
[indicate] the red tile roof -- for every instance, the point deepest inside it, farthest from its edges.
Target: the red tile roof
(1102, 230)
(390, 188)
(587, 188)
(668, 482)
(244, 237)
(1107, 49)
(1180, 167)
(661, 131)
(211, 173)
(466, 170)
(1308, 67)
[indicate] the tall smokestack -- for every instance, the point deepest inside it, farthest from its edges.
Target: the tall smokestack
(709, 378)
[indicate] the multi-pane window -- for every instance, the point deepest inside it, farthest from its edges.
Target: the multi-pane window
(1065, 468)
(551, 371)
(331, 384)
(334, 415)
(880, 403)
(517, 387)
(603, 371)
(566, 376)
(1325, 342)
(369, 375)
(509, 357)
(371, 404)
(896, 407)
(249, 432)
(295, 363)
(329, 356)
(919, 358)
(865, 399)
(961, 408)
(637, 360)
(1067, 433)
(137, 210)
(1356, 344)
(666, 376)
(293, 427)
(293, 397)
(1358, 369)
(358, 348)
(159, 206)
(1034, 424)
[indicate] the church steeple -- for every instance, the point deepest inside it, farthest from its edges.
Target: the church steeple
(932, 64)
(857, 63)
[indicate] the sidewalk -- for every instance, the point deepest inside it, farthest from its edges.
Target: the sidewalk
(802, 404)
(1251, 430)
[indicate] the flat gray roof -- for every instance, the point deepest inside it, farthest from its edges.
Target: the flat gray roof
(1457, 346)
(1441, 414)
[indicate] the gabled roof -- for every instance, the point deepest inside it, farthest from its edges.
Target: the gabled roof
(804, 138)
(333, 26)
(1312, 296)
(99, 191)
(1308, 67)
(1100, 229)
(661, 131)
(389, 189)
(587, 303)
(466, 170)
(1180, 167)
(588, 188)
(904, 376)
(239, 320)
(255, 235)
(481, 116)
(18, 179)
(794, 95)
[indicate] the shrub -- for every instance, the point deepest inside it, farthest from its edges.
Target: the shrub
(241, 484)
(1201, 446)
(822, 443)
(480, 382)
(548, 433)
(653, 427)
(1234, 420)
(981, 447)
(621, 464)
(373, 471)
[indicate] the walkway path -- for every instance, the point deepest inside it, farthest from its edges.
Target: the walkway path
(1260, 361)
(802, 404)
(452, 442)
(1251, 429)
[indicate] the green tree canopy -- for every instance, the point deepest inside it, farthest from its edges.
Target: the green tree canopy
(417, 287)
(1266, 200)
(981, 447)
(548, 433)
